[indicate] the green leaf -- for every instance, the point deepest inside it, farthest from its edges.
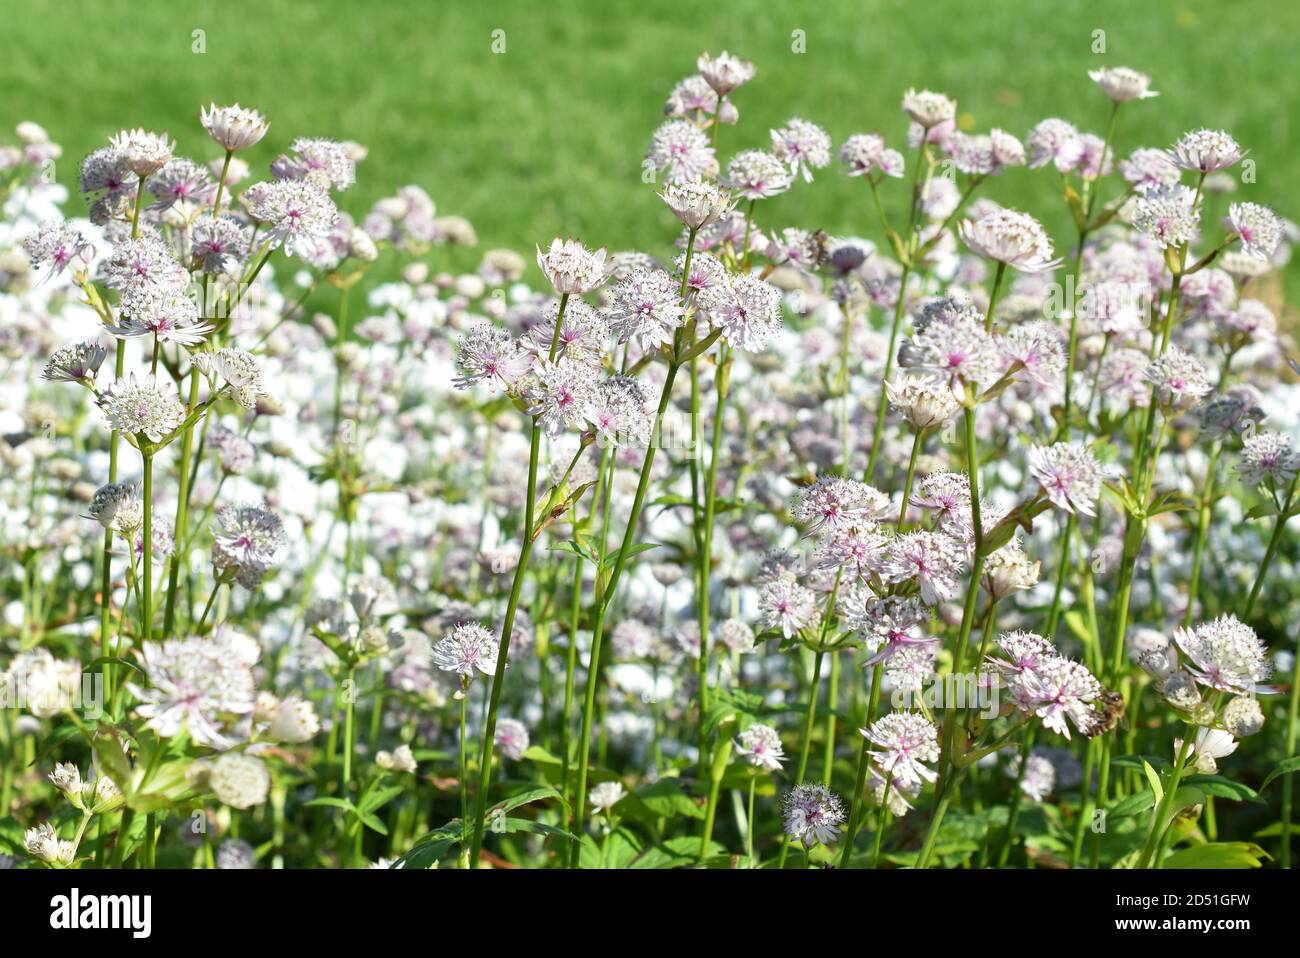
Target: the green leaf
(1285, 767)
(1135, 804)
(377, 800)
(342, 803)
(676, 852)
(537, 828)
(701, 347)
(432, 847)
(524, 798)
(1262, 510)
(535, 753)
(1222, 787)
(635, 550)
(1217, 855)
(666, 799)
(1154, 779)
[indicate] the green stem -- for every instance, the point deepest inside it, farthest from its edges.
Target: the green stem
(810, 720)
(1278, 525)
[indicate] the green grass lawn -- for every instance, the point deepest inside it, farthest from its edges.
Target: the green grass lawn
(547, 138)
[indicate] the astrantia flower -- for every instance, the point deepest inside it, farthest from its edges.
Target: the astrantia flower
(75, 363)
(1167, 215)
(1036, 349)
(933, 559)
(697, 204)
(795, 247)
(142, 262)
(619, 411)
(922, 401)
(1009, 570)
(1038, 778)
(1022, 652)
(1268, 455)
(197, 684)
(219, 245)
(142, 406)
(583, 335)
(724, 72)
(42, 842)
(1011, 237)
(605, 796)
(1226, 655)
(296, 214)
(929, 108)
(512, 738)
(760, 745)
(835, 501)
(889, 624)
(1179, 378)
(736, 636)
(1147, 168)
(804, 145)
(1095, 158)
(45, 685)
(117, 507)
(238, 369)
(1054, 141)
(240, 781)
(693, 94)
(572, 268)
(786, 605)
(143, 152)
(1258, 227)
(106, 170)
(53, 246)
(1210, 744)
(647, 308)
(465, 648)
(234, 127)
(864, 153)
(633, 640)
(757, 174)
(748, 310)
(182, 180)
(954, 349)
(812, 814)
(490, 354)
(167, 314)
(1206, 151)
(1243, 716)
(563, 395)
(1058, 689)
(247, 541)
(1251, 320)
(904, 741)
(235, 854)
(1069, 474)
(1122, 84)
(326, 163)
(293, 722)
(681, 150)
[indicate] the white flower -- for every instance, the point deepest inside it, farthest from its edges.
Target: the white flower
(234, 127)
(572, 268)
(1209, 744)
(605, 796)
(760, 745)
(1122, 84)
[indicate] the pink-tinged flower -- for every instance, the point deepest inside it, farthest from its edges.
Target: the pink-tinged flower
(904, 742)
(512, 738)
(928, 108)
(933, 559)
(647, 308)
(786, 605)
(1059, 689)
(834, 501)
(572, 268)
(1205, 151)
(234, 127)
(804, 145)
(468, 647)
(1010, 237)
(1258, 227)
(197, 684)
(724, 73)
(813, 814)
(563, 395)
(865, 153)
(682, 151)
(1069, 474)
(1054, 141)
(1178, 378)
(760, 745)
(757, 175)
(1168, 215)
(1226, 655)
(54, 245)
(1268, 455)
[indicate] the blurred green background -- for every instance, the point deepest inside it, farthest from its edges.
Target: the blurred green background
(548, 137)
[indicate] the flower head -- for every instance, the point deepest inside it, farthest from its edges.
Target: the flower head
(697, 204)
(757, 175)
(143, 405)
(1258, 227)
(234, 127)
(1010, 237)
(197, 684)
(572, 268)
(724, 72)
(143, 152)
(760, 745)
(1205, 151)
(903, 742)
(681, 150)
(1069, 474)
(813, 815)
(466, 648)
(1122, 84)
(1225, 654)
